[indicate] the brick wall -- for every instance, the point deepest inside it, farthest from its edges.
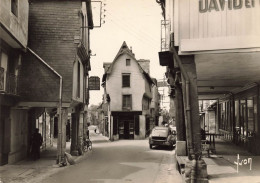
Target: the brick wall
(52, 27)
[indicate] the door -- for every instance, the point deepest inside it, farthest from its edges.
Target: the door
(131, 129)
(121, 129)
(5, 137)
(126, 130)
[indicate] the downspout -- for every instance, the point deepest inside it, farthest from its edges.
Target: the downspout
(60, 100)
(188, 113)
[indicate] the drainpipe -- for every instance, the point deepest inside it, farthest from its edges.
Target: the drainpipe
(188, 113)
(60, 102)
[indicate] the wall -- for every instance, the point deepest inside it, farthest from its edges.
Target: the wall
(17, 26)
(53, 25)
(37, 83)
(19, 135)
(137, 86)
(141, 128)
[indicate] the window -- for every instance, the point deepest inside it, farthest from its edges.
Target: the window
(3, 70)
(127, 102)
(14, 7)
(78, 81)
(126, 80)
(128, 62)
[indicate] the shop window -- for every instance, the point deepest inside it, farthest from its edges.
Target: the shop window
(255, 112)
(237, 114)
(243, 117)
(14, 7)
(250, 112)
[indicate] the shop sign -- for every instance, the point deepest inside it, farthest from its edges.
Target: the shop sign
(246, 161)
(94, 83)
(221, 5)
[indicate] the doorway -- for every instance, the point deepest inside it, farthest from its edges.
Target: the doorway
(126, 129)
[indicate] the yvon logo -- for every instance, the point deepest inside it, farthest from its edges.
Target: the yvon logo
(221, 5)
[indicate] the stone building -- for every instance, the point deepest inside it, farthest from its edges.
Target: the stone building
(13, 44)
(128, 95)
(44, 81)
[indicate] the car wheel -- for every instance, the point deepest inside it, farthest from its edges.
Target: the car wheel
(151, 146)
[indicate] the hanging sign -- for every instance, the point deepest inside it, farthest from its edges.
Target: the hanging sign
(94, 83)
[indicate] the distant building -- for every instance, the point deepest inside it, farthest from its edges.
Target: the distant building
(128, 96)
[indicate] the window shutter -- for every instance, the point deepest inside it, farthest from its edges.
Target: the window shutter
(137, 126)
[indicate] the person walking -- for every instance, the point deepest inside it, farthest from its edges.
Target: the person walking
(36, 144)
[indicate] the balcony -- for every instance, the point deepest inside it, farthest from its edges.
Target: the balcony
(8, 82)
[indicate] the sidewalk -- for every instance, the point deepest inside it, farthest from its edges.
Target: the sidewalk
(221, 167)
(29, 171)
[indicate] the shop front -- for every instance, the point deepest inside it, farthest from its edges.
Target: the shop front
(126, 125)
(238, 118)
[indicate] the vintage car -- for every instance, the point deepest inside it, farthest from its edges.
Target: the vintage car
(162, 136)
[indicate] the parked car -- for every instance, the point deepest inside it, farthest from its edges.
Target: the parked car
(162, 136)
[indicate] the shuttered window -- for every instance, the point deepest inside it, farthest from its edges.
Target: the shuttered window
(126, 80)
(127, 102)
(137, 125)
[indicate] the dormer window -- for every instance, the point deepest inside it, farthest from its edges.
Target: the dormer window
(128, 62)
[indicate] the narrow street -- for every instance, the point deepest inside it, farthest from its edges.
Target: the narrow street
(121, 161)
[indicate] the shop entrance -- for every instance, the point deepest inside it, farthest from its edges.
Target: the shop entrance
(126, 129)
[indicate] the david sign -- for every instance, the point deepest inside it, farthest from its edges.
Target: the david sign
(221, 5)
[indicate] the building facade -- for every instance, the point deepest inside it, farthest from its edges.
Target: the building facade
(13, 43)
(44, 82)
(211, 50)
(128, 94)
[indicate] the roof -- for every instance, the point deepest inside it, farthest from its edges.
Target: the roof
(125, 50)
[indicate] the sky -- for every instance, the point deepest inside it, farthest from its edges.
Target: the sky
(137, 22)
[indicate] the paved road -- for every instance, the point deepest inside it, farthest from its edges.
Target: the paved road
(120, 161)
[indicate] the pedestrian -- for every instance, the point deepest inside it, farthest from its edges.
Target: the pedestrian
(36, 144)
(95, 130)
(202, 134)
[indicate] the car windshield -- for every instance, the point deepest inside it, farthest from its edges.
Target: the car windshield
(160, 132)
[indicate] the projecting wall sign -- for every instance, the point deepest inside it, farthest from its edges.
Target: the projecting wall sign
(221, 5)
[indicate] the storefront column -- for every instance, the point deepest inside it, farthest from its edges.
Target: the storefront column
(188, 63)
(180, 122)
(61, 145)
(74, 134)
(80, 133)
(44, 130)
(195, 168)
